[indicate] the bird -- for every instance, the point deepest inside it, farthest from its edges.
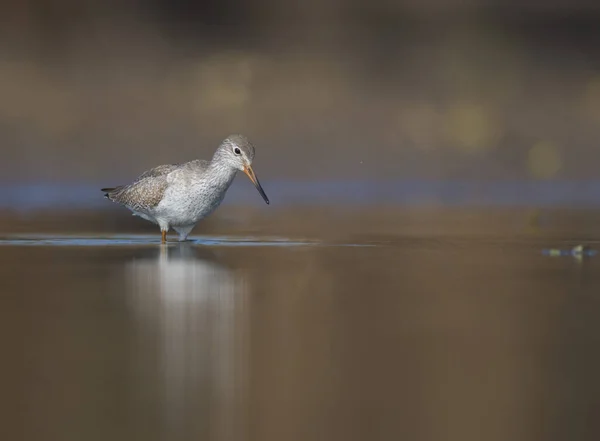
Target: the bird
(179, 195)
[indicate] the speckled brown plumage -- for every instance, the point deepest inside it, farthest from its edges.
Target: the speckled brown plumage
(144, 192)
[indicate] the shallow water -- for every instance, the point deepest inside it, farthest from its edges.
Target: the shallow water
(442, 337)
(151, 241)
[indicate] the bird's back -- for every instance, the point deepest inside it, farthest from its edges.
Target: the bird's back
(158, 171)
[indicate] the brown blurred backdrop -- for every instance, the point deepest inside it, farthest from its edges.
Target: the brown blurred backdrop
(100, 90)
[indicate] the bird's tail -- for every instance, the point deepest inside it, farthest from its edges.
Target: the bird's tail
(108, 192)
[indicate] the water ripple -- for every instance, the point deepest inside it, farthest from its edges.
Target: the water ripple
(153, 240)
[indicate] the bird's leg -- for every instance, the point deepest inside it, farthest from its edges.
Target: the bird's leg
(184, 232)
(163, 236)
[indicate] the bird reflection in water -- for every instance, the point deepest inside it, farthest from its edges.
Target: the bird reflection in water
(193, 311)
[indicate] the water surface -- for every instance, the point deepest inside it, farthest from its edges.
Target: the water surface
(442, 337)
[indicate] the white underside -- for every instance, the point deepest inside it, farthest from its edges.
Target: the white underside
(185, 203)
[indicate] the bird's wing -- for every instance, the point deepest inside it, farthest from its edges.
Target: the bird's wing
(146, 191)
(141, 194)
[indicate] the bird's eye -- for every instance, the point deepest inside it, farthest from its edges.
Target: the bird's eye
(236, 151)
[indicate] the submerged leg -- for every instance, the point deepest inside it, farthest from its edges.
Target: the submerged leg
(183, 232)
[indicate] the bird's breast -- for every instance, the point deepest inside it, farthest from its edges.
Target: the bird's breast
(189, 202)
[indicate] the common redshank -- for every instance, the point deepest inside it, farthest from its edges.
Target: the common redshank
(178, 196)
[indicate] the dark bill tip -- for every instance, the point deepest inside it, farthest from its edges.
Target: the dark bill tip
(248, 170)
(262, 192)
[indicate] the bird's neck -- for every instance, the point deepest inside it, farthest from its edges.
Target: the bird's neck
(220, 174)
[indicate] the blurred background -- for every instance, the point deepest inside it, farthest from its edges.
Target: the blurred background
(481, 100)
(419, 156)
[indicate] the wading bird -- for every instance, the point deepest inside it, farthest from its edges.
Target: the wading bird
(178, 196)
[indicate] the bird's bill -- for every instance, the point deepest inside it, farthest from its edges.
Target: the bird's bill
(250, 173)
